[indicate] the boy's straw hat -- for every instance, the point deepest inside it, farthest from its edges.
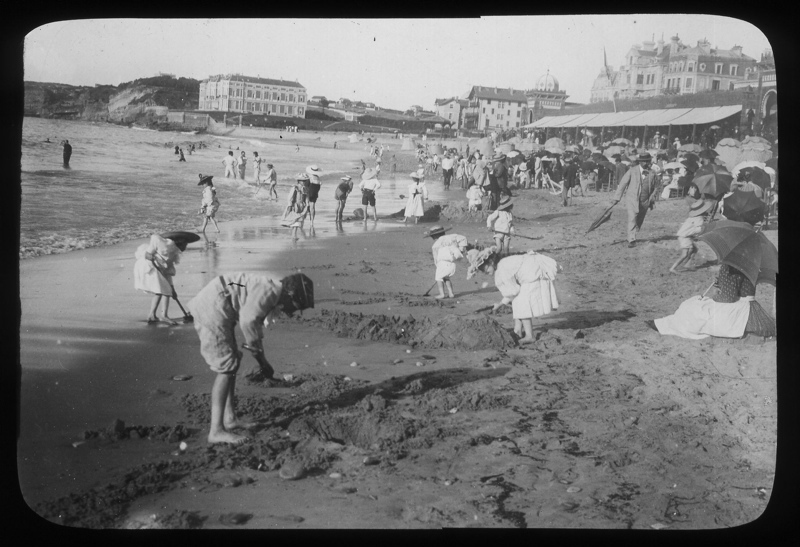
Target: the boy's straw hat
(370, 173)
(700, 206)
(205, 179)
(436, 231)
(313, 170)
(505, 203)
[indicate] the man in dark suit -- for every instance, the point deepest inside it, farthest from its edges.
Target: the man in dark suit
(641, 184)
(570, 180)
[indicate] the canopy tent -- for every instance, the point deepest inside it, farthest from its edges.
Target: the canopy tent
(640, 118)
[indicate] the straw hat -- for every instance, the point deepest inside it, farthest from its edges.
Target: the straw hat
(499, 157)
(523, 166)
(302, 176)
(347, 178)
(370, 173)
(313, 170)
(416, 175)
(205, 179)
(700, 206)
(436, 231)
(505, 203)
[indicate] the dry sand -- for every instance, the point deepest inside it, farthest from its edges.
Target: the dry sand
(444, 422)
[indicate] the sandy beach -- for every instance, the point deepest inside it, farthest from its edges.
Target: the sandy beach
(443, 421)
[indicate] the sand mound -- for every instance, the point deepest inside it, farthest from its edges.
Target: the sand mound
(451, 331)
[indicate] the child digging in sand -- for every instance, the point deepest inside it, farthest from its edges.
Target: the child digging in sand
(446, 249)
(251, 300)
(154, 270)
(699, 211)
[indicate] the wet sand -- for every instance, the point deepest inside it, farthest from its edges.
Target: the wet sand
(601, 423)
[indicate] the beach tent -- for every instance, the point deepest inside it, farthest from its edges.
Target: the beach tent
(353, 137)
(408, 144)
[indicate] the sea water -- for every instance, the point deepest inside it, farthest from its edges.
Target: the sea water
(127, 183)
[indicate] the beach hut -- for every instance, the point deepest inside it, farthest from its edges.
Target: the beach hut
(408, 144)
(353, 137)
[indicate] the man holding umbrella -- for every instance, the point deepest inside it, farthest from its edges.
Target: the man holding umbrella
(642, 185)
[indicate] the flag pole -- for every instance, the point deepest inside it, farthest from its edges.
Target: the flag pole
(610, 81)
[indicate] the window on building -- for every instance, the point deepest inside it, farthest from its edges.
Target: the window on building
(639, 79)
(730, 86)
(282, 109)
(484, 110)
(678, 83)
(518, 113)
(492, 110)
(734, 70)
(627, 78)
(517, 124)
(688, 83)
(690, 67)
(299, 110)
(275, 96)
(714, 85)
(283, 97)
(718, 68)
(289, 110)
(291, 98)
(489, 101)
(258, 94)
(274, 108)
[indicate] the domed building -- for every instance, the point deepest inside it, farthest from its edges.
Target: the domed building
(546, 97)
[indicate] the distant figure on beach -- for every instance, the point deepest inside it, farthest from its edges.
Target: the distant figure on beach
(369, 184)
(342, 191)
(241, 164)
(526, 281)
(177, 148)
(394, 164)
(314, 185)
(446, 249)
(182, 158)
(67, 152)
(417, 194)
(501, 222)
(230, 165)
(47, 139)
(210, 204)
(297, 195)
(252, 301)
(272, 179)
(257, 168)
(335, 145)
(296, 147)
(154, 270)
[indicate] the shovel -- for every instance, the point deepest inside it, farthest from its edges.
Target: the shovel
(187, 317)
(517, 235)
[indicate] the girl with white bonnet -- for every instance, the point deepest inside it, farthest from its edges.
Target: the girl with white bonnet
(446, 249)
(526, 281)
(417, 194)
(155, 268)
(209, 204)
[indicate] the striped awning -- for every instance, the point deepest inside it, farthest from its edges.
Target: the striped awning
(640, 118)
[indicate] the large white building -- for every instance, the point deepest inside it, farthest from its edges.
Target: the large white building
(656, 68)
(495, 108)
(246, 94)
(451, 110)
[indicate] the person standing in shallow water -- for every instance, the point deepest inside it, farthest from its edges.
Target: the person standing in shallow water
(67, 152)
(210, 203)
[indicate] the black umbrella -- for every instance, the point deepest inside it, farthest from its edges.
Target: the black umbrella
(744, 207)
(690, 156)
(758, 176)
(690, 165)
(712, 179)
(738, 245)
(588, 166)
(773, 162)
(601, 219)
(597, 156)
(708, 153)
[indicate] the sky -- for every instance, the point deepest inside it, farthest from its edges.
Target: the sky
(394, 63)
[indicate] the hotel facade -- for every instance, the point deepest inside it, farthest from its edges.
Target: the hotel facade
(250, 95)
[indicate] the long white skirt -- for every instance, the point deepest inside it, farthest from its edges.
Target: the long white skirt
(698, 318)
(535, 299)
(148, 279)
(444, 269)
(414, 206)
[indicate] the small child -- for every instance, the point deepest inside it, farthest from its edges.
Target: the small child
(502, 224)
(210, 204)
(524, 175)
(297, 195)
(446, 249)
(154, 270)
(257, 168)
(475, 197)
(699, 210)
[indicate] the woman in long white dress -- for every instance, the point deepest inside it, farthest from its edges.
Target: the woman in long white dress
(154, 270)
(527, 282)
(417, 194)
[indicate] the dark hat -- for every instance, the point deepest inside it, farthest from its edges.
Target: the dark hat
(644, 156)
(505, 203)
(205, 179)
(436, 231)
(181, 237)
(300, 292)
(269, 165)
(499, 157)
(617, 156)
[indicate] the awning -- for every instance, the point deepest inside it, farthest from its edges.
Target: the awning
(640, 118)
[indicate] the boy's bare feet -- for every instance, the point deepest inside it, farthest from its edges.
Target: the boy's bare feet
(239, 424)
(227, 437)
(440, 297)
(169, 320)
(525, 340)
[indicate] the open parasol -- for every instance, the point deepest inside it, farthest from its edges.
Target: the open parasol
(611, 150)
(743, 206)
(554, 142)
(712, 179)
(602, 218)
(554, 150)
(757, 176)
(673, 165)
(588, 166)
(597, 156)
(690, 147)
(709, 153)
(740, 246)
(573, 148)
(622, 141)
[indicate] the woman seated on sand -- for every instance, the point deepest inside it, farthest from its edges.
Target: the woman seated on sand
(526, 281)
(417, 194)
(154, 270)
(732, 313)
